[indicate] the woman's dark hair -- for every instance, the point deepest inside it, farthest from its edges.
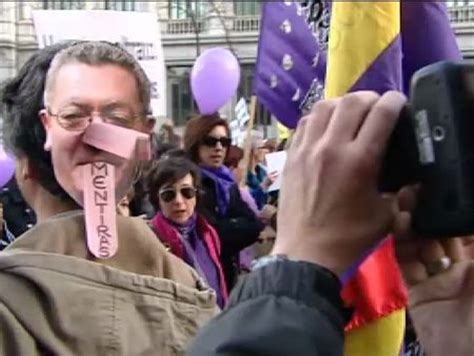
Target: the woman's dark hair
(168, 171)
(163, 148)
(199, 127)
(21, 99)
(140, 204)
(175, 153)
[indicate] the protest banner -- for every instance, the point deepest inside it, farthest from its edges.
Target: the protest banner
(138, 32)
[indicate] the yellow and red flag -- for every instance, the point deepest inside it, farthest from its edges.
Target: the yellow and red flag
(377, 45)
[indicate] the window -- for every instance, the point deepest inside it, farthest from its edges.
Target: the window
(23, 11)
(182, 103)
(244, 8)
(460, 3)
(186, 9)
(262, 116)
(120, 5)
(63, 5)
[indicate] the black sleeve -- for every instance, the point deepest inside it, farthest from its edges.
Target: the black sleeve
(285, 308)
(239, 228)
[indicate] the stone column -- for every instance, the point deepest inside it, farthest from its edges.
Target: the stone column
(8, 12)
(219, 18)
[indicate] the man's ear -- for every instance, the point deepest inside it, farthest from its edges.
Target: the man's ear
(46, 121)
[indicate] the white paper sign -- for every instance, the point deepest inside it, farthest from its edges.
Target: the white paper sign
(234, 131)
(275, 163)
(242, 112)
(138, 32)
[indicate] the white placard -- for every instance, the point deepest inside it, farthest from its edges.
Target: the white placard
(234, 131)
(275, 163)
(139, 32)
(242, 112)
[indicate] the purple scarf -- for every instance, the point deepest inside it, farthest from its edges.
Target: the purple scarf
(223, 180)
(197, 255)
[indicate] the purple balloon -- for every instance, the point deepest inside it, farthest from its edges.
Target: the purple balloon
(7, 167)
(214, 79)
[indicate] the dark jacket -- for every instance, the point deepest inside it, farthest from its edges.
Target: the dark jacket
(237, 230)
(16, 212)
(254, 182)
(285, 308)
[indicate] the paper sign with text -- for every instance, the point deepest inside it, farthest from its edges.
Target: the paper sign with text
(242, 112)
(138, 32)
(275, 163)
(237, 125)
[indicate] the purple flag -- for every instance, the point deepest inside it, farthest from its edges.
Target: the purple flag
(427, 36)
(290, 69)
(385, 73)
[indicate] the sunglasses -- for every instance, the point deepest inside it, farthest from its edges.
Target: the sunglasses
(211, 141)
(169, 194)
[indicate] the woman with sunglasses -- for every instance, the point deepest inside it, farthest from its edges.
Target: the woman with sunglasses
(173, 184)
(207, 141)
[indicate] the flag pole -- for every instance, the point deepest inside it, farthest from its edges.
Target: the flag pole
(245, 163)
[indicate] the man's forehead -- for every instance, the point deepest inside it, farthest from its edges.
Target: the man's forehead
(83, 84)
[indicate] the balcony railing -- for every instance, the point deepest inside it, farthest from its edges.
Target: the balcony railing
(183, 27)
(246, 24)
(461, 14)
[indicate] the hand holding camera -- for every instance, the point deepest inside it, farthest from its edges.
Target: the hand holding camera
(432, 145)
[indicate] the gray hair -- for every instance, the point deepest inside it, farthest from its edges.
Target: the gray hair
(96, 53)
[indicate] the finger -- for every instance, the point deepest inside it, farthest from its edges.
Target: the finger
(444, 286)
(380, 122)
(402, 226)
(349, 115)
(468, 243)
(413, 273)
(407, 251)
(431, 251)
(468, 240)
(299, 132)
(454, 249)
(319, 119)
(406, 198)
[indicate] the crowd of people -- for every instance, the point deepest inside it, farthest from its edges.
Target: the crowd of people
(188, 221)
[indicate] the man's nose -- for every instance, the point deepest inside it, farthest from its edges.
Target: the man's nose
(97, 118)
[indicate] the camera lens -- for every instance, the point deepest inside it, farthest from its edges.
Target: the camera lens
(438, 133)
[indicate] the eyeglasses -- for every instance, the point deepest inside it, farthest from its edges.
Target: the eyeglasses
(211, 141)
(78, 119)
(169, 194)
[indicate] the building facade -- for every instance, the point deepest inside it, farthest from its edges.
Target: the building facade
(188, 28)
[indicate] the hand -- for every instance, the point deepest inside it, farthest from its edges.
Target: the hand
(271, 178)
(330, 210)
(267, 213)
(440, 278)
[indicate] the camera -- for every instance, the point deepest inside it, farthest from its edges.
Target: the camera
(433, 145)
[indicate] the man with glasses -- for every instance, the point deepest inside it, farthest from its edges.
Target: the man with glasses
(56, 296)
